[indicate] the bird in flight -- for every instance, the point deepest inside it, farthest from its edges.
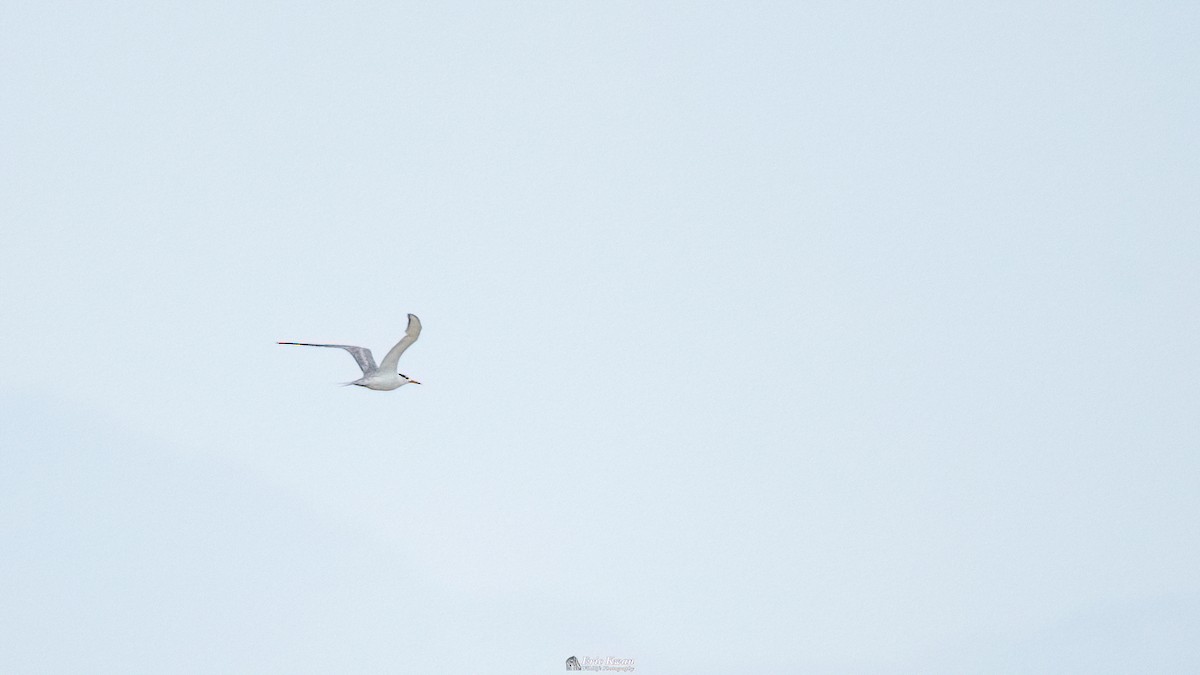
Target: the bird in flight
(383, 377)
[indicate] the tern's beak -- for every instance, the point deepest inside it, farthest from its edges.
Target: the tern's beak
(411, 381)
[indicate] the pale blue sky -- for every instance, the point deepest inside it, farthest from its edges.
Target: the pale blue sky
(776, 337)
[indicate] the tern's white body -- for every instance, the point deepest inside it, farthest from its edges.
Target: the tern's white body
(381, 381)
(383, 377)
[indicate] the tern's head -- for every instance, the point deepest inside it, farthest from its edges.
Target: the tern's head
(407, 379)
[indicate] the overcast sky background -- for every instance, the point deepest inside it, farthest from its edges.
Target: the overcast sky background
(768, 337)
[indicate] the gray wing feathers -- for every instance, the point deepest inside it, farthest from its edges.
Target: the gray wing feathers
(361, 355)
(410, 336)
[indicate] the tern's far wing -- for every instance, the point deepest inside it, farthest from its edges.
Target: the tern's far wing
(361, 354)
(410, 336)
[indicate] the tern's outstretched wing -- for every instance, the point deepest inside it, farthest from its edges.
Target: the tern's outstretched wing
(361, 354)
(410, 336)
